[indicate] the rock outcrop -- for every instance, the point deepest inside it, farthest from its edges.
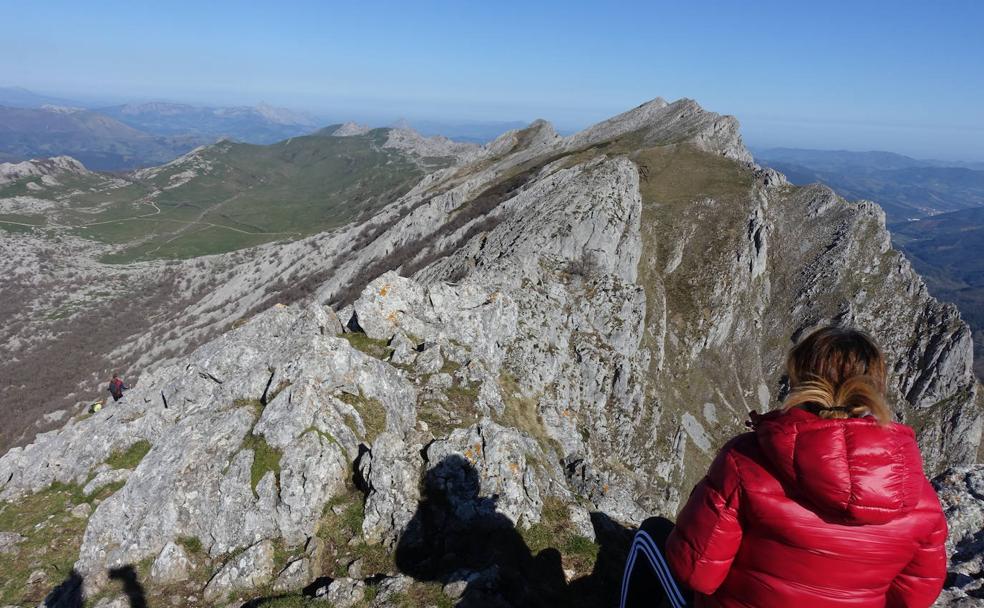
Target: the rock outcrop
(46, 169)
(553, 335)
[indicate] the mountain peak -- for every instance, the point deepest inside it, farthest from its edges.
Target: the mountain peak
(660, 123)
(350, 128)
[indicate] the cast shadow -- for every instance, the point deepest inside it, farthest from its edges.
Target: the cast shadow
(458, 536)
(68, 594)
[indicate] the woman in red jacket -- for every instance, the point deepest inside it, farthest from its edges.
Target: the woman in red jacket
(825, 504)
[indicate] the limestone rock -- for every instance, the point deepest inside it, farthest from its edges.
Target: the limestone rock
(391, 471)
(961, 492)
(9, 541)
(390, 587)
(104, 479)
(250, 569)
(404, 350)
(344, 592)
(81, 511)
(172, 565)
(502, 458)
(294, 576)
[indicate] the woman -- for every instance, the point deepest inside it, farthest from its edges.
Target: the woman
(825, 504)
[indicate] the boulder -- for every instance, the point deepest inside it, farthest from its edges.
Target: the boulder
(250, 569)
(172, 565)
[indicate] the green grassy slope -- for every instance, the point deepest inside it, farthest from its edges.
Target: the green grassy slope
(233, 195)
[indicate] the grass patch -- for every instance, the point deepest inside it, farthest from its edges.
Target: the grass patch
(288, 601)
(370, 346)
(52, 540)
(520, 411)
(251, 194)
(450, 367)
(371, 411)
(326, 435)
(422, 594)
(130, 457)
(338, 529)
(266, 458)
(460, 410)
(191, 544)
(554, 530)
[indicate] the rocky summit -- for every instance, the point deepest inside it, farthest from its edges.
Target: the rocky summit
(485, 385)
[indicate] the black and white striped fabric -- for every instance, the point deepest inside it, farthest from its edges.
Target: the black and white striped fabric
(646, 562)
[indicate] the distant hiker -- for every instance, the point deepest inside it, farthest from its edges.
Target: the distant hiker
(823, 504)
(116, 387)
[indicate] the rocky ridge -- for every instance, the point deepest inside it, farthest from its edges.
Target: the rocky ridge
(47, 169)
(552, 330)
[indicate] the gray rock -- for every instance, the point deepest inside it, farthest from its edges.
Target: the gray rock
(9, 541)
(355, 568)
(105, 478)
(81, 511)
(391, 470)
(294, 576)
(172, 565)
(343, 593)
(250, 569)
(961, 493)
(389, 588)
(503, 459)
(455, 589)
(430, 360)
(404, 350)
(37, 577)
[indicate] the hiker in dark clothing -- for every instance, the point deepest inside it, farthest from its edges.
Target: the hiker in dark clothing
(116, 387)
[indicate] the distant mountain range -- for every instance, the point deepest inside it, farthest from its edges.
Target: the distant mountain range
(17, 97)
(100, 142)
(906, 188)
(262, 124)
(140, 134)
(133, 135)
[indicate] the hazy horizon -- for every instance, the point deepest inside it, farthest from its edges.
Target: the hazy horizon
(900, 77)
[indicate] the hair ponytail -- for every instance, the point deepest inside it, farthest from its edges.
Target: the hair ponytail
(838, 373)
(854, 398)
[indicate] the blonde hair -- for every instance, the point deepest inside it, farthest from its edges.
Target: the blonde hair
(838, 372)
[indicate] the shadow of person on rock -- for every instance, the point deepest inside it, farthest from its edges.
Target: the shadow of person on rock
(132, 588)
(603, 586)
(458, 537)
(68, 594)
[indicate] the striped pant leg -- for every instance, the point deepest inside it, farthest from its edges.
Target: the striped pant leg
(647, 579)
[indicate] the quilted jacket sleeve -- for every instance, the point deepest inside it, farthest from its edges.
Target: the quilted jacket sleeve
(708, 532)
(919, 584)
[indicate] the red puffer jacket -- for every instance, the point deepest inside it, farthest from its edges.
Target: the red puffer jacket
(808, 512)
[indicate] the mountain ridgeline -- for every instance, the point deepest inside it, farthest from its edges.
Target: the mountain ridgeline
(132, 135)
(528, 349)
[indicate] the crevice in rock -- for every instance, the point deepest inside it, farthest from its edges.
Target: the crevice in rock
(164, 399)
(266, 389)
(207, 376)
(423, 451)
(360, 482)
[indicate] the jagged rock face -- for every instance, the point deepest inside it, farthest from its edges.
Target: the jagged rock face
(961, 491)
(583, 320)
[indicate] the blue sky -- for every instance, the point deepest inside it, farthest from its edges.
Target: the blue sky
(901, 76)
